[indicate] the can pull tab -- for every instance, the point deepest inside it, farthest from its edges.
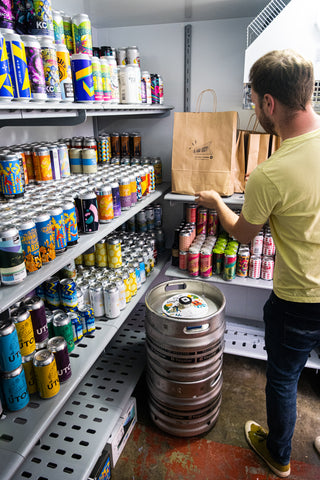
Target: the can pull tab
(185, 301)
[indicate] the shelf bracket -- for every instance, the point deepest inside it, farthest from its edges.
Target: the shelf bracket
(30, 121)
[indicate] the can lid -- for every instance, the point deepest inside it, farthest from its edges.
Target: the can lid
(6, 327)
(55, 344)
(42, 358)
(188, 305)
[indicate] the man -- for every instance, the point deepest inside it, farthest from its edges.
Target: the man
(285, 189)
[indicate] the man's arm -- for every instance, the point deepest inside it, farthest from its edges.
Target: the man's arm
(235, 225)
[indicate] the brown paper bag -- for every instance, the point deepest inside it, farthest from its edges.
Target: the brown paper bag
(275, 142)
(257, 147)
(204, 150)
(240, 163)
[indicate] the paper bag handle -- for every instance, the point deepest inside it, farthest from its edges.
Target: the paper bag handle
(214, 99)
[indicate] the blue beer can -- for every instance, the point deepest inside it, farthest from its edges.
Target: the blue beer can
(45, 237)
(64, 160)
(82, 76)
(59, 229)
(87, 318)
(18, 67)
(116, 198)
(15, 390)
(6, 89)
(11, 184)
(76, 326)
(10, 355)
(52, 291)
(68, 293)
(70, 220)
(30, 244)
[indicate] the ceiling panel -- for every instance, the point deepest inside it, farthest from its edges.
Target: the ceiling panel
(121, 13)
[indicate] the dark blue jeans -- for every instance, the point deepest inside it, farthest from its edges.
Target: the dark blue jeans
(292, 330)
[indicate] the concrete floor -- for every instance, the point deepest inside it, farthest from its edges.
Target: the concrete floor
(223, 452)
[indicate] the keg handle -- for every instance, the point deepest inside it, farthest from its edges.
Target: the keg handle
(175, 286)
(196, 329)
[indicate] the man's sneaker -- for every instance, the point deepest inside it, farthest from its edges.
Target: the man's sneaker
(257, 439)
(317, 444)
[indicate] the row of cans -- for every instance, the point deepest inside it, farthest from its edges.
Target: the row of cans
(124, 55)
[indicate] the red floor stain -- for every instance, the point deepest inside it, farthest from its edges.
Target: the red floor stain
(170, 458)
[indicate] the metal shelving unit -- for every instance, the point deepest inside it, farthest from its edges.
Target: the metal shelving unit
(11, 294)
(236, 199)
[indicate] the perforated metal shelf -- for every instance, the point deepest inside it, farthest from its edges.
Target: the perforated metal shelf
(74, 441)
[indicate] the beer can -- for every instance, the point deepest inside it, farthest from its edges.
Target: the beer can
(89, 257)
(10, 355)
(81, 34)
(229, 266)
(27, 363)
(125, 193)
(96, 299)
(212, 222)
(15, 390)
(68, 293)
(142, 268)
(101, 255)
(105, 203)
(111, 300)
(70, 220)
(65, 75)
(59, 347)
(106, 79)
(23, 166)
(116, 198)
(23, 323)
(76, 326)
(191, 212)
(269, 247)
(130, 84)
(52, 292)
(184, 240)
(114, 252)
(205, 263)
(88, 320)
(267, 267)
(122, 292)
(193, 261)
(62, 327)
(115, 144)
(97, 79)
(89, 160)
(29, 163)
(6, 89)
(42, 164)
(257, 244)
(243, 263)
(45, 237)
(121, 56)
(12, 265)
(133, 279)
(37, 310)
(18, 66)
(11, 176)
(202, 217)
(155, 88)
(30, 245)
(45, 369)
(35, 67)
(58, 29)
(67, 27)
(75, 160)
(133, 55)
(63, 154)
(135, 144)
(104, 148)
(82, 76)
(144, 182)
(40, 20)
(183, 260)
(59, 229)
(255, 266)
(51, 70)
(89, 212)
(157, 165)
(7, 14)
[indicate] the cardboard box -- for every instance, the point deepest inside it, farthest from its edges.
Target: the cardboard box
(122, 430)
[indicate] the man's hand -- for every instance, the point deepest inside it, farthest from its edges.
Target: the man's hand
(207, 198)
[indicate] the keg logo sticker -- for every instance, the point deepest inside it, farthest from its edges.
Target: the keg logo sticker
(188, 305)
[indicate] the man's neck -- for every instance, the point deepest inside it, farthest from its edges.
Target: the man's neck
(303, 121)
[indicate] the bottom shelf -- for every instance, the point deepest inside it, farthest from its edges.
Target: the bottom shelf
(75, 439)
(246, 339)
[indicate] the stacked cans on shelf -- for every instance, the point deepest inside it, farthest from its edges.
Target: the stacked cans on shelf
(34, 353)
(202, 249)
(49, 218)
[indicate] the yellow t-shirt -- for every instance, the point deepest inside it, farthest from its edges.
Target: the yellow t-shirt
(286, 189)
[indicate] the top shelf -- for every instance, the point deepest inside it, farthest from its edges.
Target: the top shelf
(235, 199)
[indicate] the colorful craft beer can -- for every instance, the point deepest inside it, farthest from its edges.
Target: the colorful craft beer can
(70, 219)
(267, 267)
(104, 148)
(67, 27)
(114, 252)
(6, 89)
(30, 245)
(52, 291)
(6, 14)
(39, 320)
(81, 33)
(45, 369)
(18, 67)
(97, 79)
(81, 67)
(63, 154)
(12, 266)
(54, 160)
(257, 244)
(101, 254)
(35, 67)
(62, 326)
(58, 29)
(205, 263)
(68, 293)
(11, 176)
(59, 229)
(193, 261)
(10, 355)
(116, 199)
(202, 217)
(51, 70)
(40, 21)
(15, 390)
(65, 75)
(42, 165)
(255, 266)
(89, 160)
(27, 363)
(243, 263)
(87, 317)
(45, 237)
(105, 203)
(125, 193)
(22, 320)
(89, 212)
(76, 326)
(58, 346)
(229, 266)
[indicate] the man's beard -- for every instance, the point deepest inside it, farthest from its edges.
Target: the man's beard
(266, 123)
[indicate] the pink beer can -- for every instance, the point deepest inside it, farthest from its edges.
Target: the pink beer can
(267, 267)
(193, 261)
(206, 263)
(212, 222)
(202, 218)
(269, 247)
(191, 212)
(255, 266)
